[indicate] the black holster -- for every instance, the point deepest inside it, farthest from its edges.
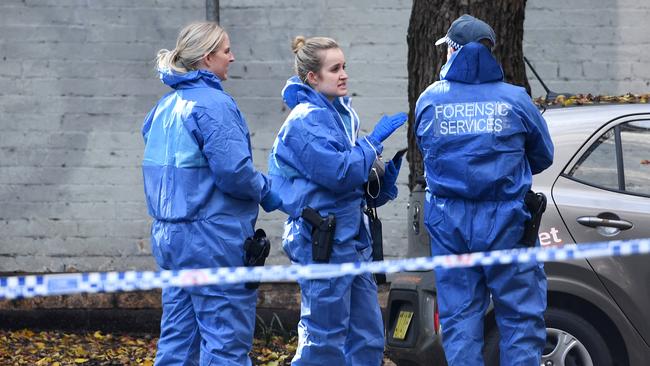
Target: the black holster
(322, 234)
(256, 249)
(377, 241)
(536, 204)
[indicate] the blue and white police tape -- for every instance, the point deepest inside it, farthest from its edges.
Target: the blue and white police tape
(72, 283)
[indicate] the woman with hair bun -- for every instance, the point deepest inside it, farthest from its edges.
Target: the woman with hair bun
(318, 162)
(202, 192)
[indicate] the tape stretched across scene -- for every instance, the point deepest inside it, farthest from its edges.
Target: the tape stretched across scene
(73, 283)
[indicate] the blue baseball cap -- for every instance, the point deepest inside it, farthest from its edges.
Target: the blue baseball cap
(467, 29)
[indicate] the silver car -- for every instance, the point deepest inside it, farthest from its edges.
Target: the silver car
(598, 189)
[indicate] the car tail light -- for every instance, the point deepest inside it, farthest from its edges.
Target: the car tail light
(436, 317)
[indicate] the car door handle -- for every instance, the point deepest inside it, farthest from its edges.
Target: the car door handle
(593, 221)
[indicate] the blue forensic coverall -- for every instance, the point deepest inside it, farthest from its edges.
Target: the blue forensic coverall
(318, 161)
(481, 140)
(203, 194)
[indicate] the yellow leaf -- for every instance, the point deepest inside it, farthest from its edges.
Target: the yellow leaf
(98, 335)
(79, 351)
(39, 345)
(27, 333)
(147, 363)
(44, 361)
(81, 360)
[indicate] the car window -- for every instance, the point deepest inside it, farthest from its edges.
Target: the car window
(598, 165)
(635, 140)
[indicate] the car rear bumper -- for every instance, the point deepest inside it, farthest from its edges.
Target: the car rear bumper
(422, 344)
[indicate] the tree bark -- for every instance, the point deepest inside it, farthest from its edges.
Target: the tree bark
(429, 21)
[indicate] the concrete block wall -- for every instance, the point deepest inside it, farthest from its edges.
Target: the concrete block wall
(587, 46)
(76, 80)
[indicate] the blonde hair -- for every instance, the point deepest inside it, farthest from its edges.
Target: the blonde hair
(308, 55)
(194, 42)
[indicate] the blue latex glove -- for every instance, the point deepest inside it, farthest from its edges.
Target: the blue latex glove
(387, 125)
(271, 201)
(391, 172)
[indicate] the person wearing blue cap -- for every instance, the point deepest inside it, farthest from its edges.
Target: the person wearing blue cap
(203, 194)
(319, 162)
(481, 141)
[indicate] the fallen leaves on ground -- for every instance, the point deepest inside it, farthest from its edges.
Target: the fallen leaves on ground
(582, 99)
(56, 348)
(275, 352)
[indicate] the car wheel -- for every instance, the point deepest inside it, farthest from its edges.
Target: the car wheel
(570, 341)
(573, 341)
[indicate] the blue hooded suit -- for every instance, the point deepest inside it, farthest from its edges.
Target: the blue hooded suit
(481, 140)
(203, 194)
(318, 161)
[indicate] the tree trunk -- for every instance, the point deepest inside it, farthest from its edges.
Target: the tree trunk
(429, 21)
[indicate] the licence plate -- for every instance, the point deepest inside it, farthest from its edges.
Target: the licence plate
(403, 322)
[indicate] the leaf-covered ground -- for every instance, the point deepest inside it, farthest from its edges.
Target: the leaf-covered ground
(27, 347)
(55, 348)
(583, 99)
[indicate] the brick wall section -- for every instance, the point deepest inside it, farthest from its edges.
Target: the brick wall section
(76, 80)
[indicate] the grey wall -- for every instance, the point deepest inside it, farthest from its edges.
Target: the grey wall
(589, 46)
(76, 80)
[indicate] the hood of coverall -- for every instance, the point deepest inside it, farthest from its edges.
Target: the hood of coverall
(296, 92)
(191, 79)
(472, 64)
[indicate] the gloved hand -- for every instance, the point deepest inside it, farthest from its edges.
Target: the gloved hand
(391, 172)
(387, 125)
(271, 201)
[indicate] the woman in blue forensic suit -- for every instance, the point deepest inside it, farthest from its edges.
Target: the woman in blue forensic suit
(318, 161)
(203, 194)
